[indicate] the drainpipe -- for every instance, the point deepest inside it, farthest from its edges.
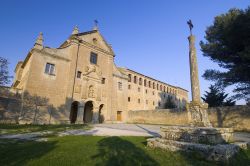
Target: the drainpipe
(75, 71)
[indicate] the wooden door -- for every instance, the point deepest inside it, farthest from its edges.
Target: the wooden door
(119, 115)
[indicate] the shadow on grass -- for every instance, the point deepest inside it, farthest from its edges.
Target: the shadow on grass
(26, 128)
(15, 152)
(117, 151)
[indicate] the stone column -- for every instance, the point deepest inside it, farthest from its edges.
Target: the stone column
(197, 111)
(95, 118)
(195, 86)
(80, 112)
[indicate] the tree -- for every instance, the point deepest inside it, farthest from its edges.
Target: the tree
(169, 103)
(217, 97)
(32, 104)
(248, 102)
(228, 44)
(4, 73)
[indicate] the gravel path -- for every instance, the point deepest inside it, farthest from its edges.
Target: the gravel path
(113, 130)
(117, 130)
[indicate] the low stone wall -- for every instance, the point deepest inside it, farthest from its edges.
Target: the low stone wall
(159, 116)
(237, 117)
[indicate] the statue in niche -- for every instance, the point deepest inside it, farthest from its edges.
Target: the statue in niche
(91, 91)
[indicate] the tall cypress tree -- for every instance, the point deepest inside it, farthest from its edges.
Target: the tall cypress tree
(4, 72)
(216, 97)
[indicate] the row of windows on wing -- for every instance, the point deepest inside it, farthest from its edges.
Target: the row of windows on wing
(146, 91)
(153, 85)
(146, 101)
(50, 68)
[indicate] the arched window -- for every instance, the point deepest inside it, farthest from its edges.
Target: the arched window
(164, 89)
(149, 84)
(153, 85)
(157, 87)
(167, 89)
(145, 82)
(135, 79)
(160, 87)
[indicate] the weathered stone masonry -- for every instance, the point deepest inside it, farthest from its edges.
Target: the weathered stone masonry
(82, 83)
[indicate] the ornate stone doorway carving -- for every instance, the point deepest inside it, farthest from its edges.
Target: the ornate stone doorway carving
(73, 112)
(88, 112)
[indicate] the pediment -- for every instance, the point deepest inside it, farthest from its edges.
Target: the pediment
(96, 39)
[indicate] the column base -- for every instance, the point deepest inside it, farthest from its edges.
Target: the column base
(197, 114)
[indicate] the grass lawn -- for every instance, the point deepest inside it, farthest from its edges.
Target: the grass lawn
(16, 129)
(97, 150)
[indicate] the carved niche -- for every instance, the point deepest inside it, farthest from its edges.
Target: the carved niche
(91, 92)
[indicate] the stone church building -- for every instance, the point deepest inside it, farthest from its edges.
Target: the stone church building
(83, 85)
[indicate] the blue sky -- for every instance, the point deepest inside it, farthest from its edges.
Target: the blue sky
(148, 36)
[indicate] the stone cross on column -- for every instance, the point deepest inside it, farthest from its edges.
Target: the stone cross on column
(197, 110)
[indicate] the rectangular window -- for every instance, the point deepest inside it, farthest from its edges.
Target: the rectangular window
(119, 85)
(50, 69)
(135, 79)
(103, 80)
(129, 77)
(146, 101)
(79, 74)
(139, 89)
(140, 81)
(129, 86)
(139, 101)
(128, 99)
(93, 58)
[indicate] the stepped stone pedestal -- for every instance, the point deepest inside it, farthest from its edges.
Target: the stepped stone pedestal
(210, 143)
(203, 135)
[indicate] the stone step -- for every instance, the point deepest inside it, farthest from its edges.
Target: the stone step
(220, 152)
(202, 135)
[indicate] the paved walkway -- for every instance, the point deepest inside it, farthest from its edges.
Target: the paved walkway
(117, 130)
(114, 130)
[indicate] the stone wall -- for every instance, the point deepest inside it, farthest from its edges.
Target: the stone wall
(159, 116)
(237, 117)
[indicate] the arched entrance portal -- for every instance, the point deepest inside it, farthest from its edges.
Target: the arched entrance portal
(101, 117)
(73, 112)
(88, 112)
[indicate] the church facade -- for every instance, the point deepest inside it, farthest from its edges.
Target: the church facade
(83, 85)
